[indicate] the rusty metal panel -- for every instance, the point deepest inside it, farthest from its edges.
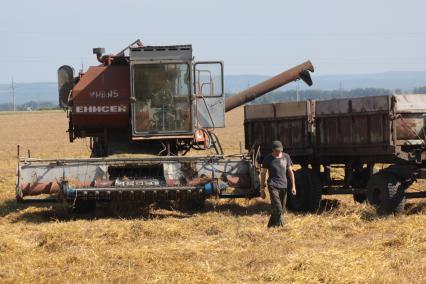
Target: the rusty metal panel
(371, 104)
(292, 109)
(410, 127)
(292, 132)
(298, 133)
(37, 177)
(345, 130)
(258, 133)
(291, 124)
(360, 130)
(284, 132)
(330, 107)
(327, 130)
(378, 129)
(410, 118)
(269, 134)
(101, 98)
(354, 134)
(353, 105)
(410, 103)
(357, 122)
(259, 111)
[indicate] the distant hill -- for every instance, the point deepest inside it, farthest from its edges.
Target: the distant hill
(25, 92)
(406, 81)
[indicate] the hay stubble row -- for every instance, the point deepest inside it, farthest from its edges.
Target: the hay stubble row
(345, 243)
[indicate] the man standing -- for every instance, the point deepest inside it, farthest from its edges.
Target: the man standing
(277, 164)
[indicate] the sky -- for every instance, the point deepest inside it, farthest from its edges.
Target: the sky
(250, 37)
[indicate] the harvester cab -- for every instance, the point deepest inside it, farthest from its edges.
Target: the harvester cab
(154, 99)
(174, 97)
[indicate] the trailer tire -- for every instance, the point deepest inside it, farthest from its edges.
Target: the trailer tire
(386, 193)
(360, 197)
(308, 192)
(360, 180)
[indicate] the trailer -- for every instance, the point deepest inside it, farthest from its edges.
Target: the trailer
(355, 134)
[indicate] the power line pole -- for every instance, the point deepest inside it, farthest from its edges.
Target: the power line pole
(297, 90)
(12, 87)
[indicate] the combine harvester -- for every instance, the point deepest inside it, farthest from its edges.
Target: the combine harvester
(148, 100)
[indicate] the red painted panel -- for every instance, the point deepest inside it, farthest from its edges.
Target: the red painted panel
(101, 98)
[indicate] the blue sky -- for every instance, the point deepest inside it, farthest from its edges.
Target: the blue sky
(251, 37)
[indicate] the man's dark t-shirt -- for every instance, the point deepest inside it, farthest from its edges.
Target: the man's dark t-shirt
(277, 169)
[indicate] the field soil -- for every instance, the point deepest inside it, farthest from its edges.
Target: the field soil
(228, 242)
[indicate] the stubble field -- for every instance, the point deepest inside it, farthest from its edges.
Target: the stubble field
(228, 242)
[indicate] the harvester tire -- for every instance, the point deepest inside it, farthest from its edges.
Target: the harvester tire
(386, 193)
(308, 195)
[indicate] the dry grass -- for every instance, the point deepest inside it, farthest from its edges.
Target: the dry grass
(344, 243)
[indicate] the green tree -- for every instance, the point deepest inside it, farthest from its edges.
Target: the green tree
(420, 90)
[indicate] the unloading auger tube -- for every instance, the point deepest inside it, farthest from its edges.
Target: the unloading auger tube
(298, 72)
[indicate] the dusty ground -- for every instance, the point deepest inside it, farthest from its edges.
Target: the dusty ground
(343, 243)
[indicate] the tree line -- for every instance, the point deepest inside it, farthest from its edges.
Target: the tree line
(29, 106)
(294, 95)
(273, 97)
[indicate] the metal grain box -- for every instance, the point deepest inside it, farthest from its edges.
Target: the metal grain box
(366, 126)
(348, 126)
(287, 122)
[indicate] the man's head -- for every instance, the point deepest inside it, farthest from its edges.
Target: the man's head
(277, 147)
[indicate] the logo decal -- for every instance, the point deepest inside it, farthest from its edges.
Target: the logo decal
(101, 109)
(101, 94)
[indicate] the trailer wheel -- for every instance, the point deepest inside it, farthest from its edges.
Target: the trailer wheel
(360, 197)
(308, 187)
(360, 180)
(386, 193)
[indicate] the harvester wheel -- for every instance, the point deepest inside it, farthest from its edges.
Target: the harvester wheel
(386, 193)
(84, 206)
(308, 187)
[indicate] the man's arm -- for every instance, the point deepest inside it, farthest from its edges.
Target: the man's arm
(292, 179)
(263, 182)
